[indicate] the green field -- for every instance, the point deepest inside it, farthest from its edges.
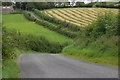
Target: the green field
(78, 16)
(18, 22)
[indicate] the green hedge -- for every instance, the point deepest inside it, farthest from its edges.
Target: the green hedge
(13, 39)
(50, 26)
(28, 16)
(62, 24)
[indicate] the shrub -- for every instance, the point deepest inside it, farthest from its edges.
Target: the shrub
(106, 24)
(28, 16)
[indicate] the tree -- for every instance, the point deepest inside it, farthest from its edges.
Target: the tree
(41, 5)
(30, 5)
(6, 3)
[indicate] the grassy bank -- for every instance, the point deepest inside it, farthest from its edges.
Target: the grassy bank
(97, 42)
(103, 51)
(10, 69)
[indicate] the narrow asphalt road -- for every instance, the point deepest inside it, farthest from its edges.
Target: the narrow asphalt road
(59, 66)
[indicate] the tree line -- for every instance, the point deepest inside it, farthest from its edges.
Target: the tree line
(48, 5)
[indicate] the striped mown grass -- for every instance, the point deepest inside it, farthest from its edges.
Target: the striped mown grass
(78, 16)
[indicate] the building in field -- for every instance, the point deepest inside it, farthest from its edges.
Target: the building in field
(7, 9)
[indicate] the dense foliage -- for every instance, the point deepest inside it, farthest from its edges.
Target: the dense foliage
(7, 45)
(99, 4)
(13, 39)
(98, 40)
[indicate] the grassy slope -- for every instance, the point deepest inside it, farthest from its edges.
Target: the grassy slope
(78, 16)
(93, 52)
(8, 65)
(18, 22)
(103, 50)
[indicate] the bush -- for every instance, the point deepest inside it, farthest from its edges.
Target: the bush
(28, 16)
(105, 26)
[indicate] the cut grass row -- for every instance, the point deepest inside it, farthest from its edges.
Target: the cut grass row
(79, 16)
(66, 18)
(72, 18)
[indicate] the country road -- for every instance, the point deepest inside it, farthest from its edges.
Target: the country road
(59, 66)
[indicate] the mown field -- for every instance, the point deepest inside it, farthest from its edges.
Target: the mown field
(78, 16)
(21, 24)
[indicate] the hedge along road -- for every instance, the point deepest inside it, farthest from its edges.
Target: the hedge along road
(59, 66)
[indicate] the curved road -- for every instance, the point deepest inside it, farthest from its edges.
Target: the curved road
(59, 66)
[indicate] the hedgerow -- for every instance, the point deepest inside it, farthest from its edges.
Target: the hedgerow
(50, 26)
(62, 24)
(13, 39)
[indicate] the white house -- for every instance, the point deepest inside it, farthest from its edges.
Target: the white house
(7, 9)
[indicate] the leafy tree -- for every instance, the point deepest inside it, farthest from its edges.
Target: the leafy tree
(30, 5)
(6, 3)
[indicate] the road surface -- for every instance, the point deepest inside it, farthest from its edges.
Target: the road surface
(59, 66)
